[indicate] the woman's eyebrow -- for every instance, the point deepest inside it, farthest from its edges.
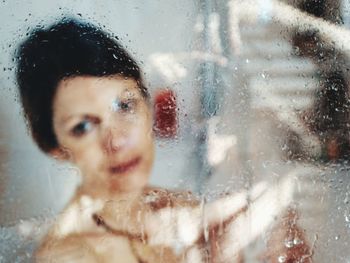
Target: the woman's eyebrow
(130, 93)
(72, 117)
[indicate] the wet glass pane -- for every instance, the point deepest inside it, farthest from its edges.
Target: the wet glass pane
(175, 131)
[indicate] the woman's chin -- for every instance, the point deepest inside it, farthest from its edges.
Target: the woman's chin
(127, 185)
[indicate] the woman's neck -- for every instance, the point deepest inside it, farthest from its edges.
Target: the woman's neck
(101, 193)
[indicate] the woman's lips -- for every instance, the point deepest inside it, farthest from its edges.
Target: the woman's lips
(125, 167)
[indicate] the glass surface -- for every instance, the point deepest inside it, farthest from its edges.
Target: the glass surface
(259, 110)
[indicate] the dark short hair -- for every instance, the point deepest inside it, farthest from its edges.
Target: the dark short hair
(66, 49)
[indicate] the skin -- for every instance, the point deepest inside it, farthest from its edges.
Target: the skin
(104, 127)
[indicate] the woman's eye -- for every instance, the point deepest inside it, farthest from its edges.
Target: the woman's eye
(82, 128)
(127, 106)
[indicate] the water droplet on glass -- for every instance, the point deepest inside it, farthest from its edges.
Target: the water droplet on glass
(281, 259)
(297, 241)
(289, 243)
(347, 218)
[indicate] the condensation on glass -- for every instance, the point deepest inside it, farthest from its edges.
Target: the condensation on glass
(256, 98)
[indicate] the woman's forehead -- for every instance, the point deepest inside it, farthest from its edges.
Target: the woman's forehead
(94, 88)
(81, 93)
(119, 83)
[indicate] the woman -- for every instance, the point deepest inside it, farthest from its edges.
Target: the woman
(86, 103)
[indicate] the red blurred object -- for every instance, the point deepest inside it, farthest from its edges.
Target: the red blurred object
(165, 110)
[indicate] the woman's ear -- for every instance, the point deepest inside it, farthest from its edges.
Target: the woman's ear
(61, 154)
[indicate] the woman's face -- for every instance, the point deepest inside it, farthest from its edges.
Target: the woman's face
(105, 126)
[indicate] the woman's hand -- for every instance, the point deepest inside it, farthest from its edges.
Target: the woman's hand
(73, 249)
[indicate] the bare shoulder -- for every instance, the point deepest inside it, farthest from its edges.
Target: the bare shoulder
(69, 230)
(159, 198)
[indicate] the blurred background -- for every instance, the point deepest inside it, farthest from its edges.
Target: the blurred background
(255, 91)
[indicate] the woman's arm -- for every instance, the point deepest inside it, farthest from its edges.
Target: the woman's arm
(73, 248)
(87, 248)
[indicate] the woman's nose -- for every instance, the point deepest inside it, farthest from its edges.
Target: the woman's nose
(115, 140)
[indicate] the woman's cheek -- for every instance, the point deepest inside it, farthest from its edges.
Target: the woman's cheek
(88, 158)
(135, 136)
